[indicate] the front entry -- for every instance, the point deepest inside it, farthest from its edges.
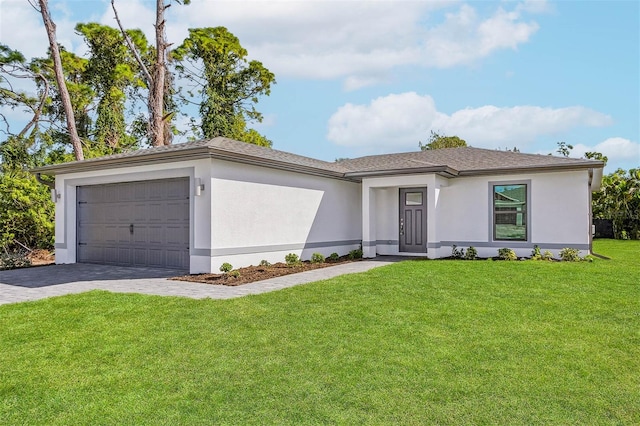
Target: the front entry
(413, 220)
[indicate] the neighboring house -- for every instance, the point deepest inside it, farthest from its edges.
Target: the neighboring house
(196, 205)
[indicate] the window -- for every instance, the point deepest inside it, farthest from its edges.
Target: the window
(510, 212)
(413, 199)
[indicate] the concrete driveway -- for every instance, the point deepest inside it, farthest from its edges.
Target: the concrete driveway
(21, 285)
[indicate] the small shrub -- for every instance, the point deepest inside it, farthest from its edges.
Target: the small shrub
(535, 254)
(226, 267)
(333, 257)
(355, 254)
(292, 259)
(317, 258)
(568, 254)
(471, 254)
(457, 254)
(588, 258)
(547, 255)
(507, 254)
(14, 260)
(264, 262)
(234, 274)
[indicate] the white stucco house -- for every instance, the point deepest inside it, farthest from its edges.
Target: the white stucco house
(196, 205)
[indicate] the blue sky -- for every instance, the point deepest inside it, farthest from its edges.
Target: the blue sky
(357, 78)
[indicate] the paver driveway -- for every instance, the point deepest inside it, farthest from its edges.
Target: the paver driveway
(20, 285)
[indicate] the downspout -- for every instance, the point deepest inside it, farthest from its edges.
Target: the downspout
(44, 182)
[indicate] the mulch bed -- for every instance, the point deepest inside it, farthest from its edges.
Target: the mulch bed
(257, 273)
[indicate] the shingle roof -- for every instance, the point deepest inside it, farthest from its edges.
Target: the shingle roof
(448, 161)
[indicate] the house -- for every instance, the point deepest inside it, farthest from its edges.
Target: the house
(197, 205)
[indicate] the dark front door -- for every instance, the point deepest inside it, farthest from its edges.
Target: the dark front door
(413, 220)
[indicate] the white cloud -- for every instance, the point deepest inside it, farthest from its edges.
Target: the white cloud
(616, 149)
(401, 120)
(357, 41)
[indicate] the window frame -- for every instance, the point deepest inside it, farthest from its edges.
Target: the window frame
(527, 211)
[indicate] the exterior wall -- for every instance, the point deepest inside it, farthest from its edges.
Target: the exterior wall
(244, 213)
(460, 213)
(260, 213)
(558, 213)
(66, 184)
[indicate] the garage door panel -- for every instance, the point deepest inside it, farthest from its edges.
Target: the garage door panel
(158, 211)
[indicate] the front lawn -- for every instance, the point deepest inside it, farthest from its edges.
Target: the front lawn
(418, 342)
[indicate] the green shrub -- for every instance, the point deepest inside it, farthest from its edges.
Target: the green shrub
(292, 259)
(507, 254)
(317, 258)
(234, 274)
(547, 255)
(14, 260)
(471, 254)
(264, 262)
(568, 254)
(457, 254)
(355, 254)
(333, 257)
(535, 254)
(226, 267)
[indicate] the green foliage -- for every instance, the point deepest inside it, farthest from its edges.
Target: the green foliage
(333, 257)
(317, 258)
(265, 263)
(14, 260)
(569, 254)
(547, 255)
(225, 267)
(535, 253)
(26, 212)
(507, 254)
(471, 254)
(619, 201)
(228, 84)
(355, 254)
(564, 149)
(233, 274)
(292, 259)
(457, 253)
(438, 141)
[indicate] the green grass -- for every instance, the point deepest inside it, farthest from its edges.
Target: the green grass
(419, 342)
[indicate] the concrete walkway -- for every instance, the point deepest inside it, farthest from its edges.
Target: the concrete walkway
(21, 285)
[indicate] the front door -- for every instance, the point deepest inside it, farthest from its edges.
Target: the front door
(413, 220)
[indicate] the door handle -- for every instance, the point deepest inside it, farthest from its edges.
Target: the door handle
(131, 228)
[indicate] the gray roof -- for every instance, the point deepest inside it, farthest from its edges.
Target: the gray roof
(448, 162)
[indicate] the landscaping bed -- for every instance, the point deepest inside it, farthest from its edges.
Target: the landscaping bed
(251, 274)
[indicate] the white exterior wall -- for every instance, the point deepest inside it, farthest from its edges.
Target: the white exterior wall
(460, 212)
(244, 213)
(260, 213)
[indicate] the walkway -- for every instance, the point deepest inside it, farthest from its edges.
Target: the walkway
(21, 285)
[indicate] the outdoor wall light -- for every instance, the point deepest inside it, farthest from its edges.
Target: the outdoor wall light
(55, 195)
(199, 187)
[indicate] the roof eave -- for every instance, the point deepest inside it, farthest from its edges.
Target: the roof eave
(533, 169)
(443, 171)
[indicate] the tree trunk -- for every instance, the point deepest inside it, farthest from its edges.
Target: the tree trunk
(156, 91)
(62, 85)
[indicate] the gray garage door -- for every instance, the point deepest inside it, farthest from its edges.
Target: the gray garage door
(134, 223)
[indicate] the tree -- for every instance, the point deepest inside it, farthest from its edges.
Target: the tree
(155, 75)
(564, 149)
(59, 73)
(438, 141)
(229, 85)
(619, 201)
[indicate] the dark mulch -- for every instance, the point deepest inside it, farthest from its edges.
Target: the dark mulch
(257, 273)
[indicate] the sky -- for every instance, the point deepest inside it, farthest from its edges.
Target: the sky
(358, 78)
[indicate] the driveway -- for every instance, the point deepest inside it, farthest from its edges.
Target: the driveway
(21, 285)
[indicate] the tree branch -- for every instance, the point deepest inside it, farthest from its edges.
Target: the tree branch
(132, 47)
